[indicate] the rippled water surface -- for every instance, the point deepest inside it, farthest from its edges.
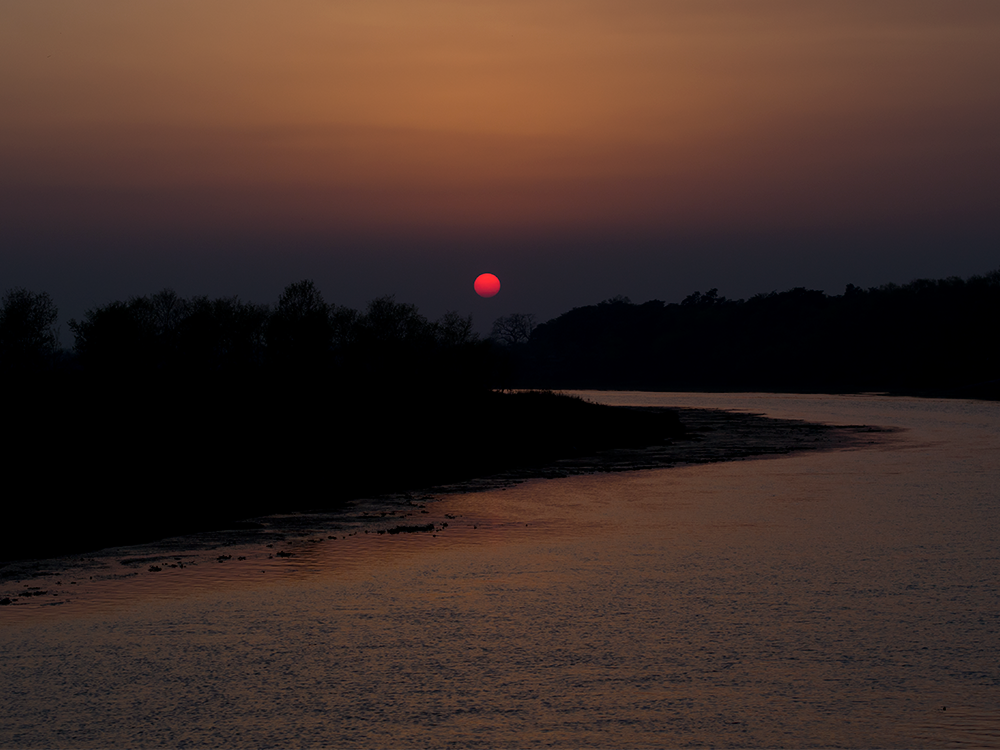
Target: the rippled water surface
(821, 599)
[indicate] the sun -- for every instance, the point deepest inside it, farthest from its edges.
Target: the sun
(487, 285)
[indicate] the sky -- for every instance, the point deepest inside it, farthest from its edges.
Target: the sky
(578, 149)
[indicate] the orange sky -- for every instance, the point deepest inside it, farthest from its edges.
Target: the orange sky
(375, 114)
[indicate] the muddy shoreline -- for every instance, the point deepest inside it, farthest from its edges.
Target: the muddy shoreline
(711, 436)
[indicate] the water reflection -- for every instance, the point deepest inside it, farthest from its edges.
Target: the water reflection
(825, 599)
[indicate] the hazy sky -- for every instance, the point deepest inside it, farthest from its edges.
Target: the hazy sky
(579, 149)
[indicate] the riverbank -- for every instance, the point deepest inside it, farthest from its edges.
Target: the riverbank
(135, 466)
(661, 438)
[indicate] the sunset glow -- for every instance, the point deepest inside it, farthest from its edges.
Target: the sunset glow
(503, 114)
(360, 134)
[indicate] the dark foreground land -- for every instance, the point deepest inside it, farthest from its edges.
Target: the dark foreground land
(186, 462)
(112, 466)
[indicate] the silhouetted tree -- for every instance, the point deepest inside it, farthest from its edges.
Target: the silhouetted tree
(389, 322)
(454, 330)
(513, 329)
(300, 330)
(27, 329)
(119, 336)
(710, 297)
(168, 311)
(344, 321)
(223, 334)
(391, 345)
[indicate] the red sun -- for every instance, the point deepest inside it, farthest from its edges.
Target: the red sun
(487, 285)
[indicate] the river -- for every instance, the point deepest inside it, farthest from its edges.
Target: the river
(825, 599)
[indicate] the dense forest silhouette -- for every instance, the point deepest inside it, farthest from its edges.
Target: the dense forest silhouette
(174, 414)
(935, 336)
(926, 337)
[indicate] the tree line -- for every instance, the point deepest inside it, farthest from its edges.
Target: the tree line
(927, 336)
(302, 335)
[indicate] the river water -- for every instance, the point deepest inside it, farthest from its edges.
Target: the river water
(833, 599)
